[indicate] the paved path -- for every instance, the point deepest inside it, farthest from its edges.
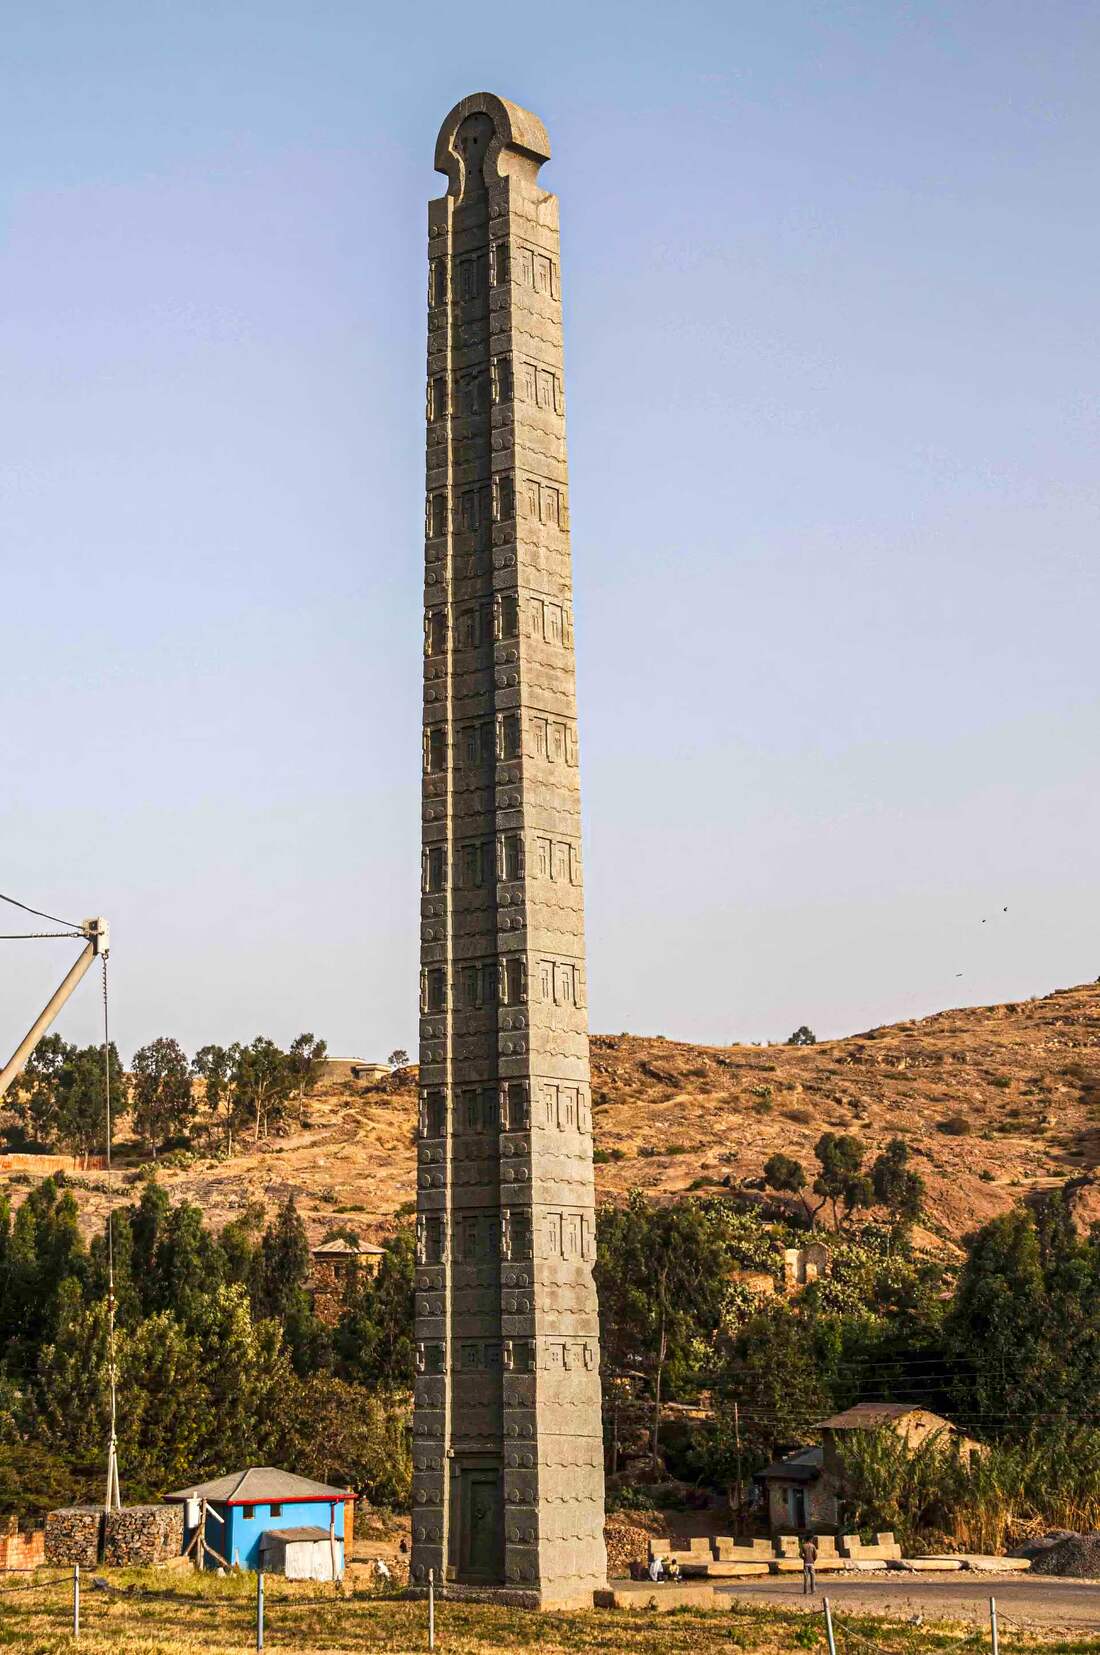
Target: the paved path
(1036, 1600)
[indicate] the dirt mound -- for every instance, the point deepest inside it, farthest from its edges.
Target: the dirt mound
(1078, 1556)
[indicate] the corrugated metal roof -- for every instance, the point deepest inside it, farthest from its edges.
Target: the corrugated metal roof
(366, 1248)
(259, 1485)
(308, 1531)
(800, 1467)
(866, 1415)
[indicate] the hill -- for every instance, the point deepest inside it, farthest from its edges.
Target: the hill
(994, 1101)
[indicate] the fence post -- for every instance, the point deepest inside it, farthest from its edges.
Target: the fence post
(431, 1608)
(829, 1633)
(260, 1609)
(993, 1625)
(76, 1600)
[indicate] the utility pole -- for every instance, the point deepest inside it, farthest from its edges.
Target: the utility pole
(98, 935)
(737, 1445)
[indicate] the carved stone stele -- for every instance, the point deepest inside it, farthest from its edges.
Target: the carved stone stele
(508, 1447)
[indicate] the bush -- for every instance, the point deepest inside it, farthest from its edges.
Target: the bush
(599, 1156)
(956, 1126)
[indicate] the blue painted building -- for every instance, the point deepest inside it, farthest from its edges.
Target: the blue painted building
(246, 1507)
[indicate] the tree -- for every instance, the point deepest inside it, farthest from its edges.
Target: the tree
(62, 1093)
(661, 1274)
(841, 1180)
(784, 1173)
(307, 1063)
(373, 1339)
(775, 1375)
(263, 1079)
(896, 1186)
(215, 1067)
(398, 1059)
(336, 1432)
(161, 1097)
(282, 1264)
(802, 1036)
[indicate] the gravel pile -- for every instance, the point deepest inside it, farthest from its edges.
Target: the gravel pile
(626, 1544)
(1078, 1556)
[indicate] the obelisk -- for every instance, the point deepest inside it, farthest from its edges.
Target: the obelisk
(508, 1444)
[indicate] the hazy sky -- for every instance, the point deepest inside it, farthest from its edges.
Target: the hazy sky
(830, 280)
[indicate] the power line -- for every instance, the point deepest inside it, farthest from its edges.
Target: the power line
(38, 912)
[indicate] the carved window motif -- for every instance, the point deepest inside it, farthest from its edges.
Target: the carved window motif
(550, 1102)
(567, 626)
(519, 1355)
(468, 510)
(468, 398)
(469, 980)
(561, 860)
(437, 397)
(574, 865)
(507, 615)
(584, 1113)
(508, 736)
(519, 1234)
(527, 266)
(545, 850)
(567, 1109)
(437, 514)
(503, 386)
(544, 389)
(553, 1235)
(517, 1116)
(551, 505)
(433, 990)
(557, 742)
(490, 1355)
(471, 1354)
(546, 979)
(433, 1114)
(435, 749)
(505, 497)
(435, 868)
(475, 626)
(467, 278)
(553, 623)
(433, 1358)
(539, 730)
(570, 744)
(586, 1237)
(565, 984)
(513, 981)
(511, 856)
(500, 263)
(542, 273)
(534, 617)
(433, 1240)
(571, 1238)
(490, 1109)
(530, 381)
(435, 632)
(469, 1232)
(437, 282)
(531, 498)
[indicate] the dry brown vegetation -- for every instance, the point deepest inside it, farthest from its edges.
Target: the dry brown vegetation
(994, 1101)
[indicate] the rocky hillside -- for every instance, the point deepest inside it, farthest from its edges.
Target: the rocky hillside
(994, 1101)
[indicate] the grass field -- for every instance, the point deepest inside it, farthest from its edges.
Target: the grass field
(151, 1613)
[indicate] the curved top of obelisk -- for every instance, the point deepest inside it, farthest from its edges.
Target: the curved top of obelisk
(489, 130)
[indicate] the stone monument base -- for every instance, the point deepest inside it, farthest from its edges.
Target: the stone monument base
(515, 1597)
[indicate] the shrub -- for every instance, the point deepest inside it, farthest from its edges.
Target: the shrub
(956, 1126)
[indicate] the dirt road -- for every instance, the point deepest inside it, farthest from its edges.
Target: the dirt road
(1034, 1600)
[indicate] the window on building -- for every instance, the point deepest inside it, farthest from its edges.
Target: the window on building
(435, 868)
(514, 982)
(511, 859)
(506, 497)
(501, 262)
(437, 282)
(248, 1513)
(276, 1508)
(519, 1234)
(516, 1113)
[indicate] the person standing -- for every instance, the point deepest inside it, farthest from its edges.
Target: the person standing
(809, 1564)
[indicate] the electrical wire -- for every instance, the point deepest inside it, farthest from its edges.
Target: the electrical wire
(38, 912)
(35, 936)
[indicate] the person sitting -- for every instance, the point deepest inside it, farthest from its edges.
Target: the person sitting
(656, 1568)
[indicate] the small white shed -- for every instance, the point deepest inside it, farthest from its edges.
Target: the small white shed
(302, 1554)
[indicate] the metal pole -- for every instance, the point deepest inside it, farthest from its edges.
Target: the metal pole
(431, 1608)
(829, 1633)
(993, 1625)
(26, 1046)
(260, 1610)
(76, 1600)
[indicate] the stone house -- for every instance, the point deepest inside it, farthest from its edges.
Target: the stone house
(802, 1265)
(334, 1268)
(805, 1489)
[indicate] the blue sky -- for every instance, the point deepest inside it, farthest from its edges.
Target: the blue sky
(831, 335)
